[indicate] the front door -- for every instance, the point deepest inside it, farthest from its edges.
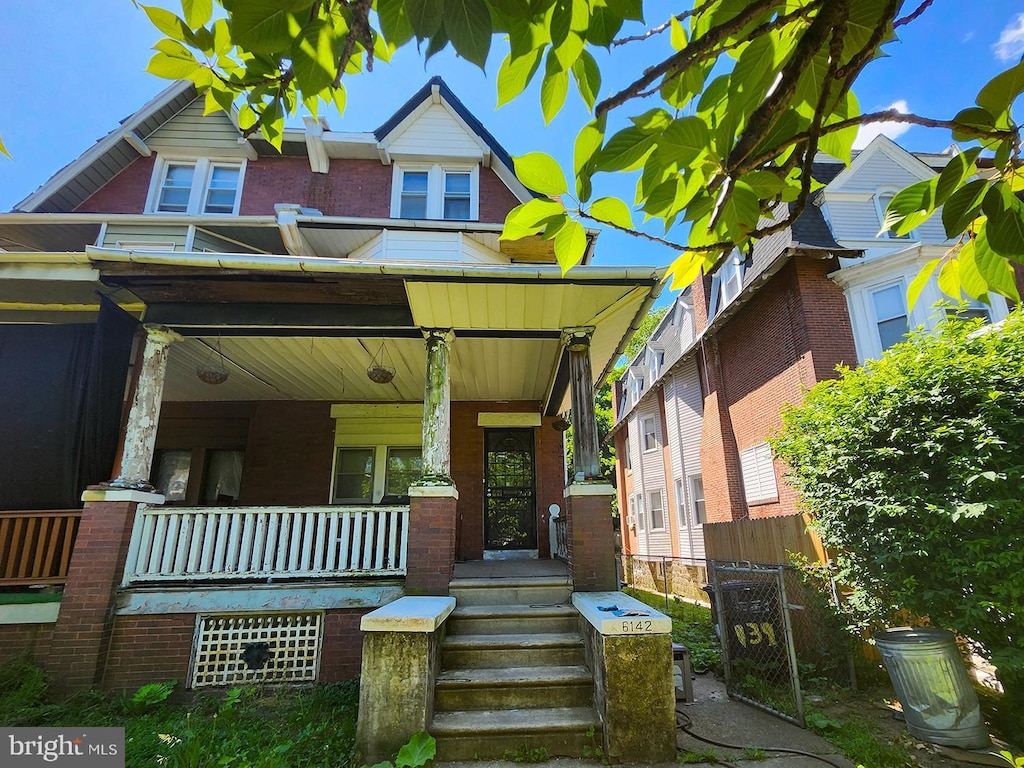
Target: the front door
(510, 514)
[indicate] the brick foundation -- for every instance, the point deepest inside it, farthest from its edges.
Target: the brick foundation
(431, 544)
(591, 541)
(31, 640)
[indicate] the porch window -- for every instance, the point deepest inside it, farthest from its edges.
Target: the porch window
(656, 505)
(223, 481)
(170, 473)
(353, 479)
(404, 467)
(700, 515)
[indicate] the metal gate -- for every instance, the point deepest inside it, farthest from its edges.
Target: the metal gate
(754, 622)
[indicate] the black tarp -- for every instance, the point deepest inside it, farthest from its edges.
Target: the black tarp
(61, 394)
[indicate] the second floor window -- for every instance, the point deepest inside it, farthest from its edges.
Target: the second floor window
(883, 199)
(891, 319)
(197, 188)
(436, 192)
(650, 428)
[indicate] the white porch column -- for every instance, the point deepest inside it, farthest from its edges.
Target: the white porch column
(585, 448)
(437, 409)
(140, 431)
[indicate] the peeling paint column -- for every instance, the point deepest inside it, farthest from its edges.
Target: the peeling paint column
(140, 431)
(433, 500)
(588, 498)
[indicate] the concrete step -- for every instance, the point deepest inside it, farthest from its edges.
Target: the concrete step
(557, 649)
(539, 590)
(513, 688)
(489, 734)
(519, 619)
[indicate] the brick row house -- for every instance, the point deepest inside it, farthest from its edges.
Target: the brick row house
(289, 388)
(697, 405)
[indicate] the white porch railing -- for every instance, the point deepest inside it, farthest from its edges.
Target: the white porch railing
(192, 543)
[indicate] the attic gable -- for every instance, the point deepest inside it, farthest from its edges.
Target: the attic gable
(882, 163)
(190, 131)
(434, 130)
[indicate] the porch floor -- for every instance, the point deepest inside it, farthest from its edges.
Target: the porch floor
(510, 569)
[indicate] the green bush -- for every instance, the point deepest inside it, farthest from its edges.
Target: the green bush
(912, 468)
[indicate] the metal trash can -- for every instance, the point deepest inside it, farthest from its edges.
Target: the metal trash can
(931, 683)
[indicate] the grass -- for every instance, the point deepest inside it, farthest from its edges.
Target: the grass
(700, 756)
(691, 626)
(860, 738)
(248, 728)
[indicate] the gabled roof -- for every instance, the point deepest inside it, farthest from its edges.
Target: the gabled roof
(882, 145)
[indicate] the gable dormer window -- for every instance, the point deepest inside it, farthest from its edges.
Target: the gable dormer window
(437, 191)
(882, 200)
(197, 187)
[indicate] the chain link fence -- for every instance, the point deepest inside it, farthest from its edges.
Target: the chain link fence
(776, 623)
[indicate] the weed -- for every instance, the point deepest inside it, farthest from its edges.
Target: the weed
(859, 740)
(691, 625)
(1014, 762)
(149, 696)
(700, 756)
(524, 753)
(753, 753)
(593, 750)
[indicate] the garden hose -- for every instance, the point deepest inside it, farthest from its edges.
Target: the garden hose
(683, 722)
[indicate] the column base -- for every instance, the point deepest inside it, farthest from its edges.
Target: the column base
(591, 537)
(431, 540)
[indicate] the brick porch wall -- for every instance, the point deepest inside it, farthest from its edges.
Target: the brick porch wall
(31, 640)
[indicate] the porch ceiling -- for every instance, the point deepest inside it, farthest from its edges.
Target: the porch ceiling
(319, 368)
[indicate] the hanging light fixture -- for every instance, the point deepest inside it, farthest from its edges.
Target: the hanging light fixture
(213, 370)
(382, 367)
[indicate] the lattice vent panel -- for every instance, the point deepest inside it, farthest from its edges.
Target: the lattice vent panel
(260, 648)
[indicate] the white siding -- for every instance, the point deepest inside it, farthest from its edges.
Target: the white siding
(427, 247)
(684, 409)
(652, 478)
(879, 170)
(435, 132)
(127, 235)
(854, 219)
(190, 132)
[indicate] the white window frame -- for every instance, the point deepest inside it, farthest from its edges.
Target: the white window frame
(757, 467)
(201, 175)
(638, 506)
(681, 516)
(660, 507)
(636, 387)
(727, 283)
(694, 517)
(657, 363)
(380, 468)
(889, 194)
(644, 432)
(875, 320)
(435, 188)
(628, 463)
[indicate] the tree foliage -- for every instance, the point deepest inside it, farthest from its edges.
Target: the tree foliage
(912, 468)
(643, 333)
(751, 92)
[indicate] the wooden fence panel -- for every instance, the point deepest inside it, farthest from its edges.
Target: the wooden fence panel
(763, 540)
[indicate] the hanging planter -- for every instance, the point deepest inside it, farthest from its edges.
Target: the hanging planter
(382, 368)
(213, 370)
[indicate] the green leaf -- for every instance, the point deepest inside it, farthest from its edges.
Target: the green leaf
(839, 144)
(996, 271)
(612, 210)
(604, 26)
(918, 283)
(167, 22)
(437, 43)
(394, 21)
(740, 211)
(957, 171)
(171, 67)
(972, 282)
(625, 150)
(553, 88)
(530, 218)
(754, 72)
(418, 751)
(587, 143)
(468, 26)
(765, 184)
(222, 37)
(677, 35)
(949, 279)
(652, 121)
(561, 21)
(425, 16)
(975, 117)
(340, 98)
(570, 245)
(1000, 92)
(963, 206)
(313, 60)
(684, 270)
(911, 207)
(541, 173)
(632, 10)
(197, 12)
(262, 26)
(3, 149)
(685, 140)
(588, 78)
(1005, 226)
(516, 73)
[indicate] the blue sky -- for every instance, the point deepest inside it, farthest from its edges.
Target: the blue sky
(75, 68)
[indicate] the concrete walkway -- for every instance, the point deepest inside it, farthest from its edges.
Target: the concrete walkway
(714, 716)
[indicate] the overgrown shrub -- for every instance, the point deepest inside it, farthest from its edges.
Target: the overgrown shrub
(912, 468)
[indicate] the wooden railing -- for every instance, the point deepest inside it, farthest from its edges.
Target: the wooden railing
(35, 546)
(562, 539)
(210, 543)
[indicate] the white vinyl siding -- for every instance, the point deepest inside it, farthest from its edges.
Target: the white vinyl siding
(124, 235)
(191, 131)
(758, 474)
(427, 247)
(435, 131)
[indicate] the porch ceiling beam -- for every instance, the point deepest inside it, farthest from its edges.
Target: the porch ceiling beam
(559, 385)
(199, 315)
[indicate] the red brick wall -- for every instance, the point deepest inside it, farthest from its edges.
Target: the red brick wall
(351, 188)
(431, 546)
(125, 193)
(32, 640)
(154, 648)
(591, 544)
(468, 470)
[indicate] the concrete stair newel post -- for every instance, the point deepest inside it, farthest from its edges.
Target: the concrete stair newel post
(588, 498)
(81, 635)
(433, 500)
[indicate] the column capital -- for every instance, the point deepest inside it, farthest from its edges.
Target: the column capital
(577, 339)
(160, 334)
(439, 335)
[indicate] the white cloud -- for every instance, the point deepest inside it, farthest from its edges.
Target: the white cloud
(1011, 41)
(866, 133)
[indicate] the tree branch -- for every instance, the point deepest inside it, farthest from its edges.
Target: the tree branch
(662, 27)
(911, 16)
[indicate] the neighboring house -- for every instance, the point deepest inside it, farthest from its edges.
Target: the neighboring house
(342, 383)
(829, 290)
